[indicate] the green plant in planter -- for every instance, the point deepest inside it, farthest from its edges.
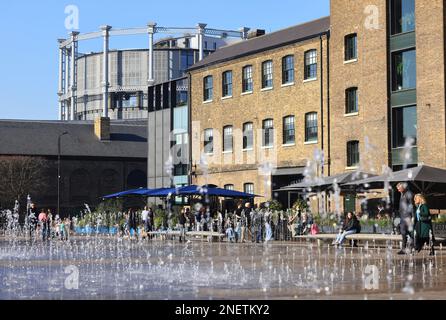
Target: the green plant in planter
(160, 218)
(440, 219)
(275, 205)
(300, 205)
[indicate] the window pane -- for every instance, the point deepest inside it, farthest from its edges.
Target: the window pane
(208, 88)
(208, 141)
(227, 84)
(248, 136)
(404, 70)
(288, 69)
(267, 74)
(268, 133)
(311, 129)
(404, 126)
(351, 100)
(351, 47)
(229, 187)
(288, 130)
(403, 16)
(247, 79)
(311, 64)
(352, 153)
(227, 139)
(249, 188)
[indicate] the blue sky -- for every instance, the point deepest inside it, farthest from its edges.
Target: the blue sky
(29, 31)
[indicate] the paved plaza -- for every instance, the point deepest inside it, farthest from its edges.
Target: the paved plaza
(96, 268)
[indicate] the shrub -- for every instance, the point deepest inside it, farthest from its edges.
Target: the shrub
(275, 205)
(301, 205)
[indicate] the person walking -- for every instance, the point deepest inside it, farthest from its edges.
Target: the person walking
(133, 223)
(406, 215)
(145, 219)
(43, 220)
(182, 219)
(423, 225)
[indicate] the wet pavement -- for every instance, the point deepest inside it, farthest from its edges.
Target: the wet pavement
(95, 268)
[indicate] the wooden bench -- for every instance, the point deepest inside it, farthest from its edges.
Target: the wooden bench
(208, 235)
(358, 237)
(164, 235)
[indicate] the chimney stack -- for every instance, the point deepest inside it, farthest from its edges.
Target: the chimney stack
(102, 128)
(256, 33)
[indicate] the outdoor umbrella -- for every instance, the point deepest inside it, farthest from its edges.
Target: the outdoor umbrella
(215, 192)
(126, 193)
(326, 182)
(424, 178)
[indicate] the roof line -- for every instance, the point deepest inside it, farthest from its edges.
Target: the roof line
(249, 53)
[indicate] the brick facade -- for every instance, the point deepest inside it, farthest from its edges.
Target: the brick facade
(370, 73)
(296, 99)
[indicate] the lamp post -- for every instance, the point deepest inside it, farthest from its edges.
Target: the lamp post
(58, 171)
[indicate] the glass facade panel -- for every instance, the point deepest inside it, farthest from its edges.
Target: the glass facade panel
(403, 16)
(404, 70)
(404, 126)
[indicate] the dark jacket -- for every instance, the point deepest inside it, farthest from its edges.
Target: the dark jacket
(406, 206)
(353, 224)
(423, 226)
(182, 219)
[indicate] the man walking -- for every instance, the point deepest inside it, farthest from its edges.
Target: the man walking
(406, 214)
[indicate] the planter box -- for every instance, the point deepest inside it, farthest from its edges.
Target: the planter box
(99, 230)
(439, 230)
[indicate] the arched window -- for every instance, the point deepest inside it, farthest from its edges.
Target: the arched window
(137, 179)
(80, 186)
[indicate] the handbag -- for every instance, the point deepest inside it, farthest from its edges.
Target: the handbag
(314, 229)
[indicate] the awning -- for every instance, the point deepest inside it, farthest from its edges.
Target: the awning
(424, 178)
(288, 171)
(327, 182)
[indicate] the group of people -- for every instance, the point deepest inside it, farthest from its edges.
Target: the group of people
(46, 225)
(246, 224)
(416, 221)
(133, 221)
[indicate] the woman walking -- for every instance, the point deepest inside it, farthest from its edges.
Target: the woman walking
(423, 225)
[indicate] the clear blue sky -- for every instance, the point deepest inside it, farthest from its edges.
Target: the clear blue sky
(29, 31)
